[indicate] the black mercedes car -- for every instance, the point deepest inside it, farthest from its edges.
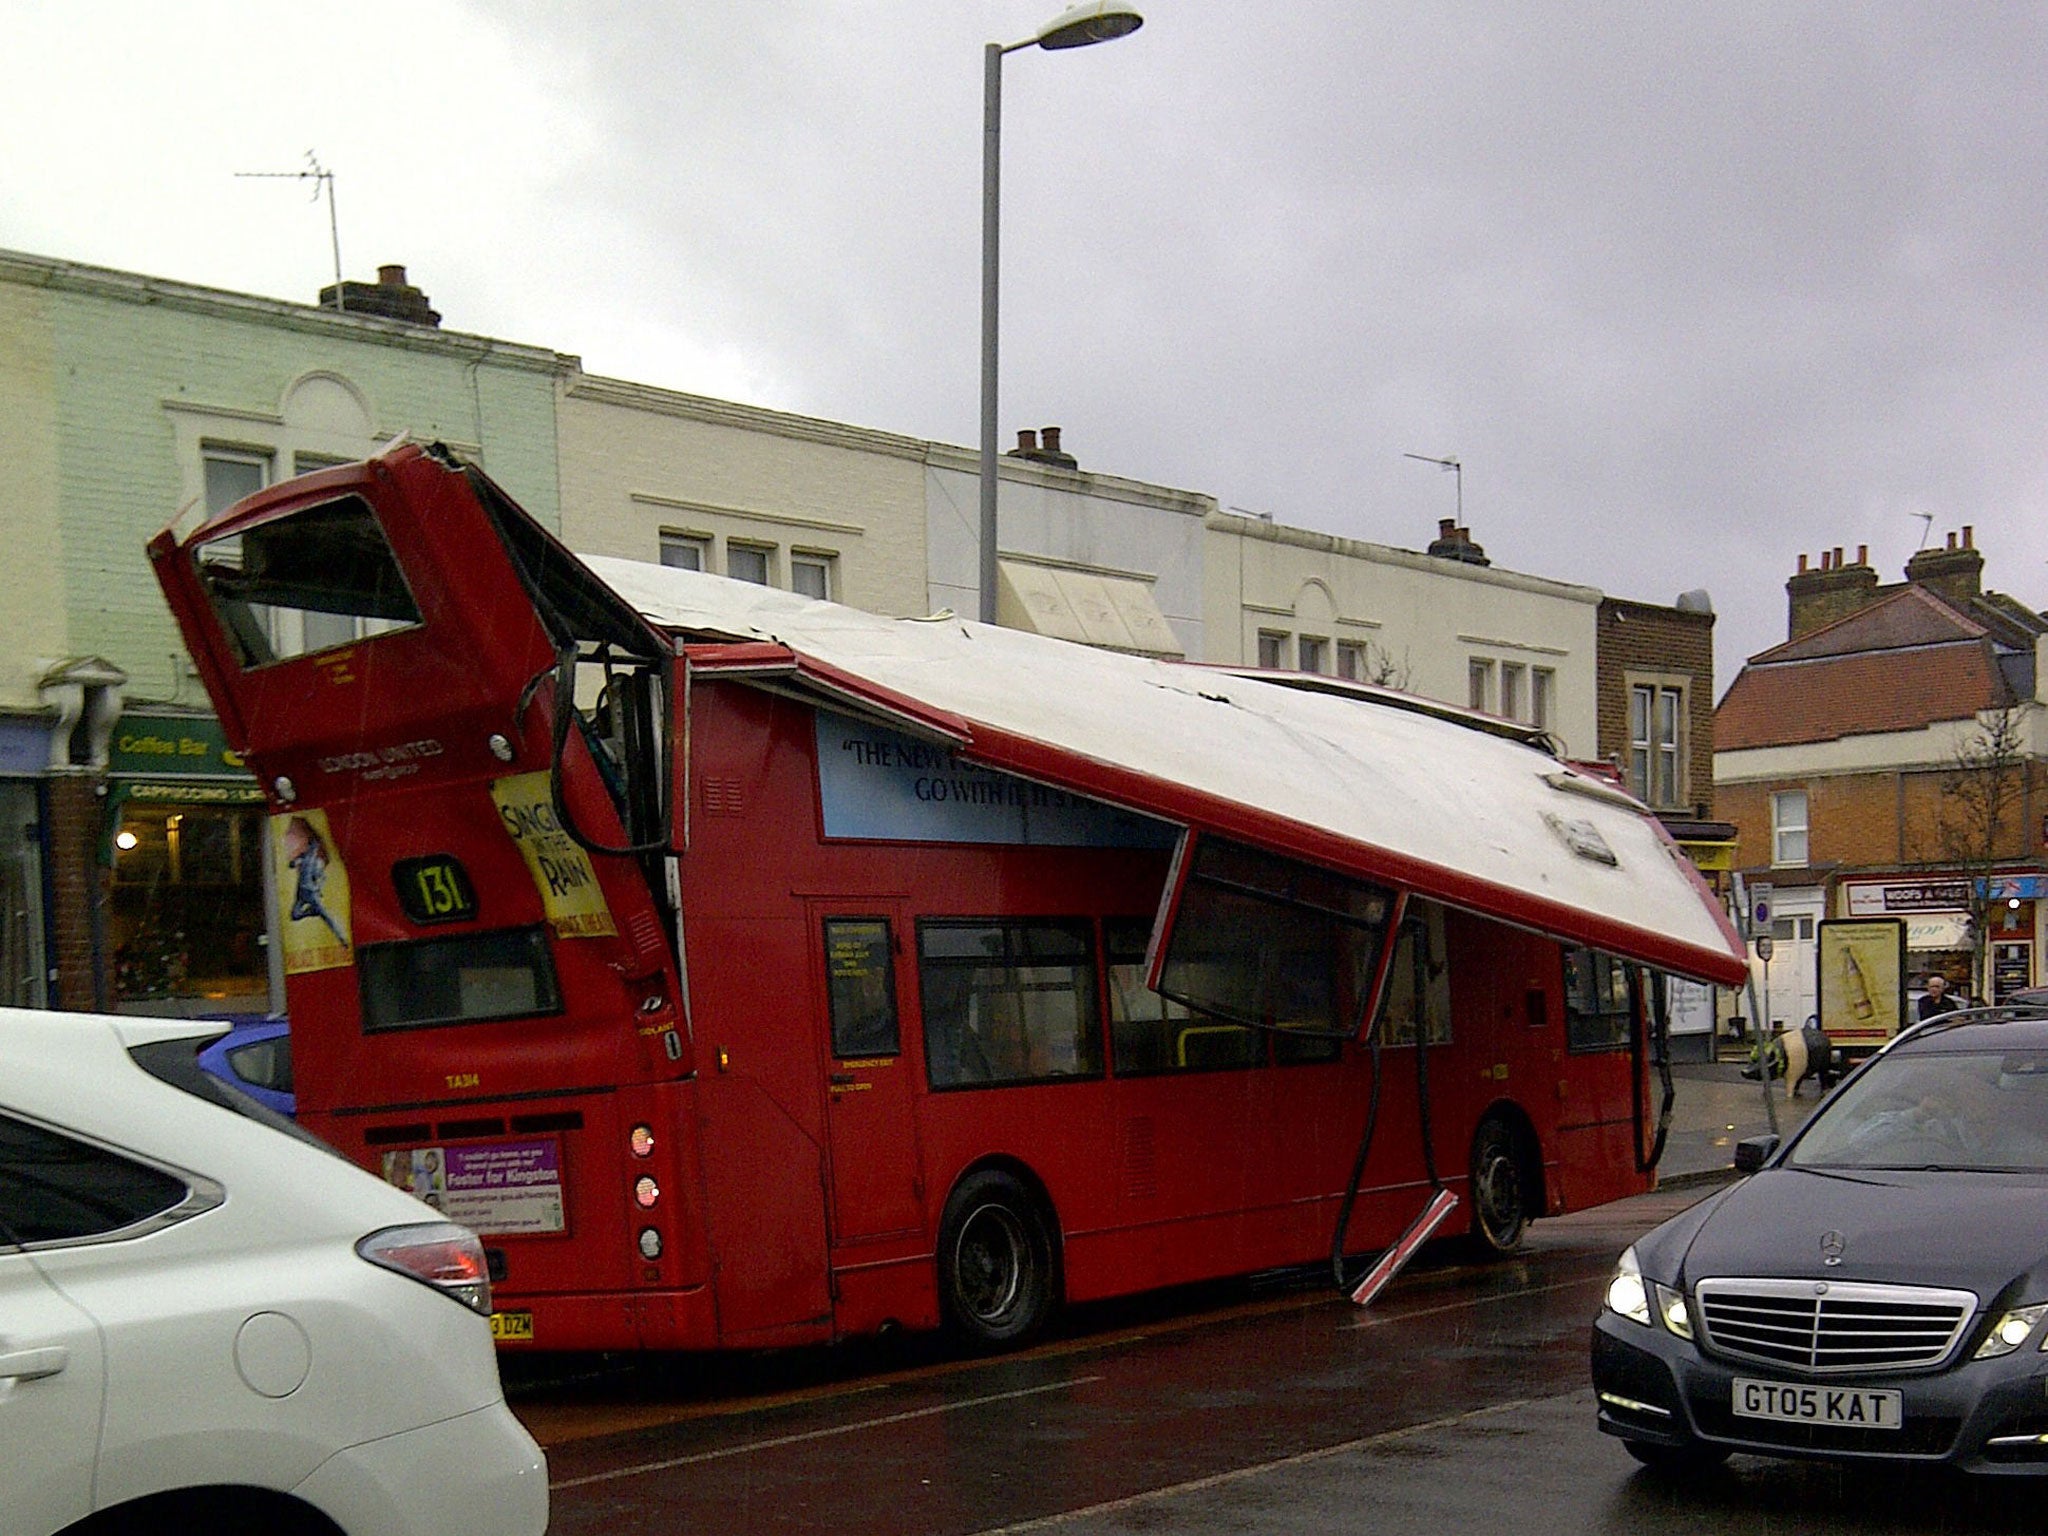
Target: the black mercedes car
(1878, 1288)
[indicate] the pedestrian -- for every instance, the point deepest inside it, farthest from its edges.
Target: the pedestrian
(1937, 999)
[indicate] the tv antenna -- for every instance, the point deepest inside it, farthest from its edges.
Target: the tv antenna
(323, 181)
(1926, 526)
(1450, 462)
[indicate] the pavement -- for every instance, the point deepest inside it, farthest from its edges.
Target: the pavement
(1715, 1108)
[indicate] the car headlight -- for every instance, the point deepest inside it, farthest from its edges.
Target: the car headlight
(1627, 1293)
(1634, 1298)
(2011, 1331)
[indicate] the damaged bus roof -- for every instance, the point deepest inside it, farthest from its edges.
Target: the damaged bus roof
(1387, 787)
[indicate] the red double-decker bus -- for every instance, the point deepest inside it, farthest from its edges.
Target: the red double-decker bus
(751, 971)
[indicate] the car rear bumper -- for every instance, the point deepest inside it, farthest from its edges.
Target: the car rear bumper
(479, 1474)
(1983, 1416)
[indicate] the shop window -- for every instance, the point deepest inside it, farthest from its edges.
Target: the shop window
(1008, 1002)
(187, 909)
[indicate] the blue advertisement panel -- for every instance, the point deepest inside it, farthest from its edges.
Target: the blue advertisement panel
(881, 785)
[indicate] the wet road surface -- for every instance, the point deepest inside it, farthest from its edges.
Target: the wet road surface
(1457, 1403)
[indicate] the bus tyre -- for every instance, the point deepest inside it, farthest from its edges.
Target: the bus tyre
(995, 1262)
(1499, 1189)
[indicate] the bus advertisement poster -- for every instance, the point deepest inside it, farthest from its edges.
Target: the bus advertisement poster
(312, 893)
(502, 1188)
(561, 870)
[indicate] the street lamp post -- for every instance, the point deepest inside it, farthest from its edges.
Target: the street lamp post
(1099, 21)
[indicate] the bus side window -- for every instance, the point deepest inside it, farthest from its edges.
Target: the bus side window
(1418, 981)
(860, 974)
(1008, 1002)
(1599, 1000)
(1150, 1033)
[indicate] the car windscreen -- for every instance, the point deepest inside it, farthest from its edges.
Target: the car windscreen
(1983, 1110)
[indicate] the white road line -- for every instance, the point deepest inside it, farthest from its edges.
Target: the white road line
(1238, 1474)
(1475, 1301)
(752, 1446)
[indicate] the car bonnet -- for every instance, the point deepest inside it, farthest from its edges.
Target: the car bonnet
(1976, 1231)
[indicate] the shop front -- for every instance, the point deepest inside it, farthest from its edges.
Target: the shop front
(186, 830)
(1938, 935)
(24, 757)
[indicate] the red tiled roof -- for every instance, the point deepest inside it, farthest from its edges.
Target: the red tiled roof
(1778, 703)
(1910, 616)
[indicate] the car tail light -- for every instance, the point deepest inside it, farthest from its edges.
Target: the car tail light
(436, 1253)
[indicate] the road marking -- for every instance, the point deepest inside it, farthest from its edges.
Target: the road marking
(813, 1434)
(1239, 1474)
(1472, 1301)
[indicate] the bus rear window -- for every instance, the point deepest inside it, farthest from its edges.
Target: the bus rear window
(467, 980)
(310, 581)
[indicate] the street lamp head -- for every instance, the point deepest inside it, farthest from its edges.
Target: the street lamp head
(1096, 21)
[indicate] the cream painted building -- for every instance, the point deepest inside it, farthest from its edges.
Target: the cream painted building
(1095, 558)
(788, 501)
(1436, 624)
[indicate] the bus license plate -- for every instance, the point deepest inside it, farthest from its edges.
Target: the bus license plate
(1847, 1407)
(512, 1327)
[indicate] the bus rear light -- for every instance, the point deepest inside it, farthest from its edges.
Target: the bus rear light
(435, 1253)
(650, 1244)
(642, 1141)
(646, 1193)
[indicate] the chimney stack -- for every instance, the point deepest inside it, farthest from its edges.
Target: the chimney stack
(1820, 593)
(390, 297)
(1043, 447)
(1954, 572)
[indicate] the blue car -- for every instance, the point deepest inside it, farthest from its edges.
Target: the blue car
(256, 1057)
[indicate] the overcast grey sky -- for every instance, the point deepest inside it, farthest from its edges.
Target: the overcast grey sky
(1689, 289)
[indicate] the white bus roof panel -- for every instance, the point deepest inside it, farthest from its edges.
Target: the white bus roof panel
(1401, 791)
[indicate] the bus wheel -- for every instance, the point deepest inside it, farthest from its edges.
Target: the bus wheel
(995, 1262)
(1500, 1210)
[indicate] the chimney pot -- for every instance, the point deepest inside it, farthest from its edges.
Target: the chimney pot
(1802, 565)
(1838, 557)
(392, 276)
(1863, 554)
(1447, 527)
(1951, 541)
(1969, 536)
(1027, 440)
(1050, 437)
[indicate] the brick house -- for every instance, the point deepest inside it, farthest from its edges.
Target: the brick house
(1853, 761)
(1654, 702)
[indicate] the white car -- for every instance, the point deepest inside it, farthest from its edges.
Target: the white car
(209, 1321)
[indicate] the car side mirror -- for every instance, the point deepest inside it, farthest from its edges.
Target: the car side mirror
(1752, 1152)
